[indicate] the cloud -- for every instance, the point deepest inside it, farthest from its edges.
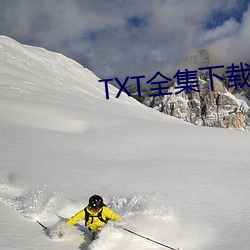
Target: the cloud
(117, 38)
(228, 28)
(234, 47)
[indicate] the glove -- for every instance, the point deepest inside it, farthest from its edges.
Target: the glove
(60, 234)
(118, 226)
(62, 229)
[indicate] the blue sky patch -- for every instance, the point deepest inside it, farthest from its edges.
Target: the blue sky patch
(218, 17)
(136, 21)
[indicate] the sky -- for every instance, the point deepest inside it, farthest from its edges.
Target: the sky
(118, 38)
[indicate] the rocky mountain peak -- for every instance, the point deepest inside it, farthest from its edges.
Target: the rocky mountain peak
(198, 59)
(217, 107)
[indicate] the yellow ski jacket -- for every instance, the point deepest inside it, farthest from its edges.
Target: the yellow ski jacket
(94, 223)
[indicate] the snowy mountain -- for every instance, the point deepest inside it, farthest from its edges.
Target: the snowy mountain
(61, 141)
(221, 107)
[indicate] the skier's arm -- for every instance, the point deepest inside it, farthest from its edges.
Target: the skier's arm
(77, 217)
(110, 214)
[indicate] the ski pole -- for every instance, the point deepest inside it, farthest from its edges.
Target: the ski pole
(146, 238)
(45, 228)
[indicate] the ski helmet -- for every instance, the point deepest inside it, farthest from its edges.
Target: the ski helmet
(95, 202)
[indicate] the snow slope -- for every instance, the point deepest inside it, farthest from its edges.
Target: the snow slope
(61, 141)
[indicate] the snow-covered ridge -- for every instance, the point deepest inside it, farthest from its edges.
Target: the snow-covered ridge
(33, 74)
(34, 68)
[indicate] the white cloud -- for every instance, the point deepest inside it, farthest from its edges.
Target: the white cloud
(228, 28)
(97, 32)
(235, 46)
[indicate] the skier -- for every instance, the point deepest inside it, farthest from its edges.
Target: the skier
(95, 214)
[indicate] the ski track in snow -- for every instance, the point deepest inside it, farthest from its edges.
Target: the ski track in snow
(42, 116)
(145, 214)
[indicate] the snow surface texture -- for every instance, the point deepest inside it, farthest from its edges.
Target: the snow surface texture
(61, 141)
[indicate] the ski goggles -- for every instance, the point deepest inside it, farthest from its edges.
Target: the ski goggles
(94, 208)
